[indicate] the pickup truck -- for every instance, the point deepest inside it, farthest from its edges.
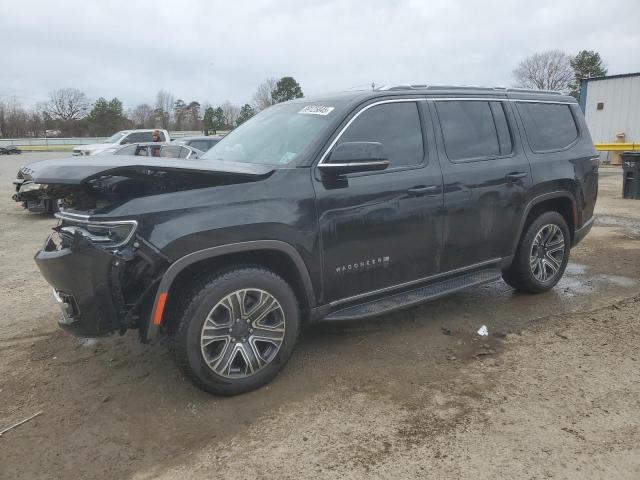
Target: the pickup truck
(116, 140)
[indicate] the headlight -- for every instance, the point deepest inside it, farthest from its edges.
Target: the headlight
(30, 187)
(104, 234)
(114, 235)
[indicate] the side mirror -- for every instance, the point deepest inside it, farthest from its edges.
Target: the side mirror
(353, 157)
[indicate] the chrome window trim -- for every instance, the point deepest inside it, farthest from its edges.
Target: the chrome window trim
(488, 98)
(364, 109)
(496, 99)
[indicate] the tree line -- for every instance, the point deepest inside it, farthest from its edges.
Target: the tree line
(559, 71)
(70, 113)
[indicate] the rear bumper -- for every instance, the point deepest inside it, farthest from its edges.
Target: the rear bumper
(582, 232)
(80, 276)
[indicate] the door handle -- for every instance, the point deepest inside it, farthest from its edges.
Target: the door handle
(420, 190)
(515, 176)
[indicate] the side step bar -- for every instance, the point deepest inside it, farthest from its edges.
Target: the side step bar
(419, 295)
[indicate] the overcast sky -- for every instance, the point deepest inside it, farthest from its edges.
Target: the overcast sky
(212, 51)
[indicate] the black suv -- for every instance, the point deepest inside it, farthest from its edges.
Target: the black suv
(327, 209)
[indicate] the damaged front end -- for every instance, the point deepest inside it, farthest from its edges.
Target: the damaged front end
(33, 196)
(102, 274)
(100, 261)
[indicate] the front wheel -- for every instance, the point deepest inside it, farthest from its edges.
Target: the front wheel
(541, 256)
(237, 330)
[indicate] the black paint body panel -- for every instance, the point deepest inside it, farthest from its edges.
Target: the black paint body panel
(361, 235)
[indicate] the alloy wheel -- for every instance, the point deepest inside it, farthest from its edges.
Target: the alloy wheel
(242, 333)
(547, 253)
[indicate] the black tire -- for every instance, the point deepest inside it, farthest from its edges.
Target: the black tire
(527, 274)
(209, 299)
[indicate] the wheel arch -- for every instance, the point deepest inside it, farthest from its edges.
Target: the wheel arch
(276, 255)
(562, 202)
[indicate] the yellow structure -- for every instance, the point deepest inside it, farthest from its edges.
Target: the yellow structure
(617, 147)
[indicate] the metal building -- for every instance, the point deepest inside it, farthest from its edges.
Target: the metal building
(611, 106)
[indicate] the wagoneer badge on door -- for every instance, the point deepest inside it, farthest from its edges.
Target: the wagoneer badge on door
(363, 265)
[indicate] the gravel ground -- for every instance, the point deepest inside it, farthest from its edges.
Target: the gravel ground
(553, 391)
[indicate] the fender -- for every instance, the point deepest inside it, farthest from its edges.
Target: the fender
(541, 198)
(176, 267)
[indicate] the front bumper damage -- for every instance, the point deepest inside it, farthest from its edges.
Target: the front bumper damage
(33, 199)
(99, 291)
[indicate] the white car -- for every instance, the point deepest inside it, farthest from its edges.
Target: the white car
(123, 137)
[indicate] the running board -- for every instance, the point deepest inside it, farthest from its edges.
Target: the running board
(416, 296)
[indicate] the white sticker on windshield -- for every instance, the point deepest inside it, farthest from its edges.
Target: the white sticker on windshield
(316, 110)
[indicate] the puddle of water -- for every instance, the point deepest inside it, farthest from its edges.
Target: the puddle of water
(87, 342)
(570, 286)
(575, 269)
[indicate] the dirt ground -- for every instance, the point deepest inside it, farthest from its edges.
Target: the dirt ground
(552, 392)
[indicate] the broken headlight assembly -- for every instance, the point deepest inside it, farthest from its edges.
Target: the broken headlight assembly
(32, 187)
(104, 234)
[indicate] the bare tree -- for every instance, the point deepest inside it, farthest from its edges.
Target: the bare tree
(230, 113)
(548, 70)
(142, 116)
(164, 104)
(14, 119)
(67, 104)
(263, 97)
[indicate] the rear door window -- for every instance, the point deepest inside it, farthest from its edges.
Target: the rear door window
(469, 129)
(396, 126)
(548, 126)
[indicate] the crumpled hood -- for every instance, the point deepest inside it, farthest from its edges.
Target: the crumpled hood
(79, 170)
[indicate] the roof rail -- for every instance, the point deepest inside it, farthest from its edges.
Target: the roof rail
(533, 90)
(464, 87)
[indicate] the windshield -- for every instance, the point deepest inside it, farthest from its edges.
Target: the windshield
(114, 138)
(277, 135)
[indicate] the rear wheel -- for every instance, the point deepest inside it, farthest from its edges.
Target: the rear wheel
(541, 256)
(237, 330)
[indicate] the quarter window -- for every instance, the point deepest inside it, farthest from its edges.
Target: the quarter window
(549, 126)
(474, 129)
(396, 126)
